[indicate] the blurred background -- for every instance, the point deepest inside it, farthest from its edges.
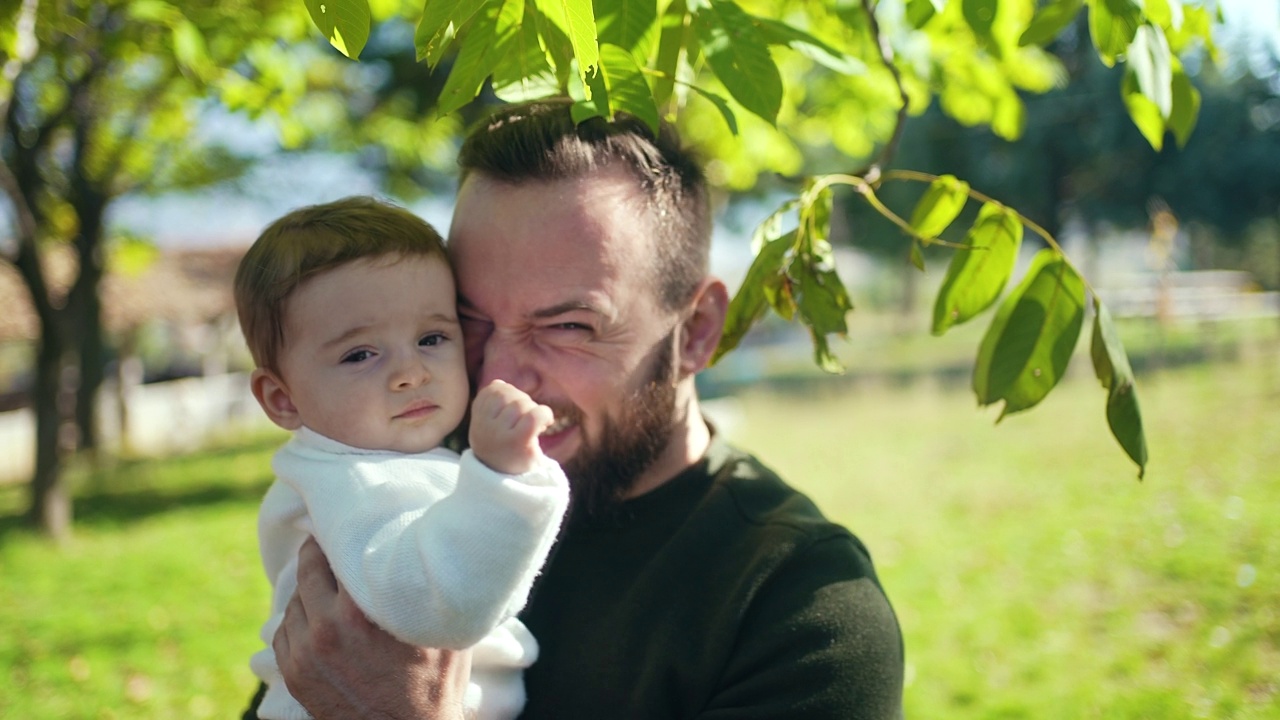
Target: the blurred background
(1034, 574)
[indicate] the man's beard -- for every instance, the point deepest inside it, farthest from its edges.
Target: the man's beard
(605, 468)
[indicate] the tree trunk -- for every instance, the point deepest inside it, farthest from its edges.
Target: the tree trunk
(85, 306)
(50, 508)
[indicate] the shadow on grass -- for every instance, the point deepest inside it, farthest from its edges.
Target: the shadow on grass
(133, 490)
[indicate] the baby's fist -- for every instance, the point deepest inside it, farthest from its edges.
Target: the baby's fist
(505, 424)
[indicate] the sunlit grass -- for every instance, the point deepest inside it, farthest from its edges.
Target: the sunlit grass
(152, 610)
(1034, 575)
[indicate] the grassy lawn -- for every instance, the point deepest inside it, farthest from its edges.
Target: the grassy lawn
(1035, 577)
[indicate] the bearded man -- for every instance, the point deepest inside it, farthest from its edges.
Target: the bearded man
(689, 580)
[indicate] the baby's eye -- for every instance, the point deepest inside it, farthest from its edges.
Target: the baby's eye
(356, 356)
(431, 339)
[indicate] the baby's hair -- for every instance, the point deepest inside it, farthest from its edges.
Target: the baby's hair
(312, 240)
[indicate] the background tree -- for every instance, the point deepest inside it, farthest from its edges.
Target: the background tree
(1081, 156)
(100, 99)
(865, 68)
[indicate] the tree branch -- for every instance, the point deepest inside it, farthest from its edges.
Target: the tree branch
(891, 64)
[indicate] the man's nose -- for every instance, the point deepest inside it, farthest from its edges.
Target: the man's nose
(506, 358)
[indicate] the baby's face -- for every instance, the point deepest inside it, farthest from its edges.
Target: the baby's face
(373, 354)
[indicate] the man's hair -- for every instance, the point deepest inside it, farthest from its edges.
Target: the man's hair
(312, 240)
(539, 141)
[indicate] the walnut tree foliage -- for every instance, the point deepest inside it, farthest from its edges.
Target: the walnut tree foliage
(766, 86)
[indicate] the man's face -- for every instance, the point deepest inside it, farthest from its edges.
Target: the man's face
(373, 354)
(557, 298)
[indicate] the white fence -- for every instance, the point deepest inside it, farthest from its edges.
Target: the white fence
(162, 417)
(1198, 295)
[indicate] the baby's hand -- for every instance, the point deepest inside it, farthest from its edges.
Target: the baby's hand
(505, 424)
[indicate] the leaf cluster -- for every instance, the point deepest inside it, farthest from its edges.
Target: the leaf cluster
(850, 76)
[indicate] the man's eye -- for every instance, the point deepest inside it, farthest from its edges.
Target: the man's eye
(356, 356)
(571, 326)
(431, 339)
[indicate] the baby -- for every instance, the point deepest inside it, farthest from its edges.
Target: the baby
(349, 311)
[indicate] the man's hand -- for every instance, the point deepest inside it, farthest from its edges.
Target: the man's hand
(505, 424)
(339, 665)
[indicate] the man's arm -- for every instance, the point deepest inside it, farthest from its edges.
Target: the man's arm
(339, 665)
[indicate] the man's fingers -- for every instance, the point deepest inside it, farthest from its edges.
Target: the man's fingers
(315, 578)
(294, 623)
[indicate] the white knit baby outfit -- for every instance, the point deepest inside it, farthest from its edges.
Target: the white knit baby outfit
(436, 549)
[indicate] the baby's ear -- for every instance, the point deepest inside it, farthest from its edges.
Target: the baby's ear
(273, 395)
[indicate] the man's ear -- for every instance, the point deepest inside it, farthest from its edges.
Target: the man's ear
(273, 395)
(701, 330)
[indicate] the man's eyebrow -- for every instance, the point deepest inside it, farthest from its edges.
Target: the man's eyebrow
(565, 307)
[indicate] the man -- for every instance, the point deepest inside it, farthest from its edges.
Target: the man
(689, 581)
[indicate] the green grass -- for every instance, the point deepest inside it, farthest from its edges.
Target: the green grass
(152, 610)
(1035, 577)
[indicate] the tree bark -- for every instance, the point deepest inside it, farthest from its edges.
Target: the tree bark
(50, 508)
(85, 305)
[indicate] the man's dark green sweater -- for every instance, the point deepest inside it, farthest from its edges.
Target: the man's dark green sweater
(724, 593)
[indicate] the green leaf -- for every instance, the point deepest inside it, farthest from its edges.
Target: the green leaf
(779, 33)
(441, 20)
(916, 256)
(920, 12)
(558, 49)
(1111, 365)
(771, 227)
(1162, 14)
(1026, 350)
(525, 73)
(749, 303)
(823, 304)
(722, 105)
(820, 295)
(131, 255)
(591, 99)
(822, 355)
(624, 87)
(978, 273)
(189, 48)
(576, 20)
(670, 47)
(981, 16)
(153, 10)
(1150, 60)
(939, 206)
(815, 216)
(1049, 21)
(740, 58)
(344, 23)
(628, 24)
(489, 36)
(1113, 24)
(1143, 111)
(1186, 106)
